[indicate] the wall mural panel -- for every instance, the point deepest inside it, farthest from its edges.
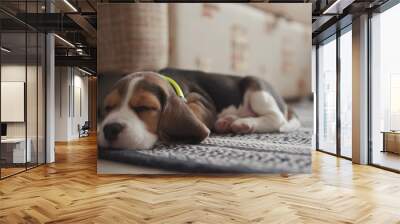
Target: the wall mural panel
(200, 114)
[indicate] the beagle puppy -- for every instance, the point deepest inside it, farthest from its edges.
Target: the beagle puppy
(175, 105)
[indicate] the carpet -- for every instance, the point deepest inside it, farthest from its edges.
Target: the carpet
(231, 153)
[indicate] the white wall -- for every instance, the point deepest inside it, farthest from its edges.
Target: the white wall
(62, 81)
(70, 81)
(12, 73)
(80, 84)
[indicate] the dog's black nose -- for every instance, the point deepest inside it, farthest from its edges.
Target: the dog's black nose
(111, 131)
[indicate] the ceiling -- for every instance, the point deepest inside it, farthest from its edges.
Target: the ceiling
(332, 15)
(20, 54)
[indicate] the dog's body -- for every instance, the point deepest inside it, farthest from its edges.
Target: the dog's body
(143, 108)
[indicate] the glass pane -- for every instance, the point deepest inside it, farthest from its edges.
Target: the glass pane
(327, 97)
(346, 94)
(385, 84)
(13, 86)
(32, 88)
(41, 98)
(31, 97)
(313, 81)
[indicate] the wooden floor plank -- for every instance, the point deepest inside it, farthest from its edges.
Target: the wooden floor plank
(70, 191)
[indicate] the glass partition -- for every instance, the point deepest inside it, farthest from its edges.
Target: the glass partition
(22, 88)
(14, 153)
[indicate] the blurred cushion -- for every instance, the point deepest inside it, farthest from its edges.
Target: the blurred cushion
(132, 37)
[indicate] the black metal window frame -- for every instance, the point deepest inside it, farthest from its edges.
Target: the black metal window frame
(334, 37)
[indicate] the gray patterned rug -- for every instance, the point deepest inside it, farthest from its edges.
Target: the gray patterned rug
(251, 153)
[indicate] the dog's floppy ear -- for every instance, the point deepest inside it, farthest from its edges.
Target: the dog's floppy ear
(179, 124)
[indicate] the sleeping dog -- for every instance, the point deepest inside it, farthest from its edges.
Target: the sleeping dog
(176, 105)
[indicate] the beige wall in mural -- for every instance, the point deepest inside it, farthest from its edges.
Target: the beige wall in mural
(243, 40)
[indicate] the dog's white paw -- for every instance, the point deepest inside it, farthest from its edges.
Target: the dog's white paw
(292, 125)
(223, 124)
(242, 126)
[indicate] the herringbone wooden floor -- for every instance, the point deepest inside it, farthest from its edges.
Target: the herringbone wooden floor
(70, 191)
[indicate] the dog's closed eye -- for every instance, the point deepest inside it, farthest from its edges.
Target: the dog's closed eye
(140, 109)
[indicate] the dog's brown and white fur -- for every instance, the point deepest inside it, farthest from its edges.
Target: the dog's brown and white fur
(143, 108)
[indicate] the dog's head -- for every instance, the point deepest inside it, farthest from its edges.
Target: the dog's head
(142, 108)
